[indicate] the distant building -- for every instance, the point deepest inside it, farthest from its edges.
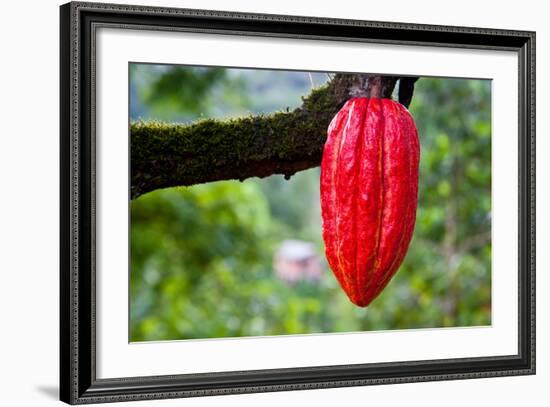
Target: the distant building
(296, 260)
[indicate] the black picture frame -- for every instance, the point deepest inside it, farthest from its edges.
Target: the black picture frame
(78, 382)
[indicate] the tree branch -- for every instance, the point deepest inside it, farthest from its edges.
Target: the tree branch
(168, 155)
(406, 89)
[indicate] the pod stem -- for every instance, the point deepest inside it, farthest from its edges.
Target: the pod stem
(380, 86)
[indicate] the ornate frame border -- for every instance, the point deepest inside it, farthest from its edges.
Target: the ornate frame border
(78, 382)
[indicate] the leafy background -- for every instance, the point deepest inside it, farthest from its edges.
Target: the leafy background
(202, 256)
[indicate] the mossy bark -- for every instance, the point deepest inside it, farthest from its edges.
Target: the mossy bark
(168, 155)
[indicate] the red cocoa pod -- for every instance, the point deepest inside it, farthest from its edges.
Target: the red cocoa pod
(369, 194)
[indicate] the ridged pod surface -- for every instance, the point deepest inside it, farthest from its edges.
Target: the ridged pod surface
(369, 194)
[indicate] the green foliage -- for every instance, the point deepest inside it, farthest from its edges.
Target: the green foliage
(167, 92)
(180, 94)
(202, 257)
(186, 245)
(201, 267)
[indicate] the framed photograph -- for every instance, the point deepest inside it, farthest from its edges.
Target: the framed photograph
(255, 203)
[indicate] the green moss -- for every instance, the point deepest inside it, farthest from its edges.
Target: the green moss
(164, 154)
